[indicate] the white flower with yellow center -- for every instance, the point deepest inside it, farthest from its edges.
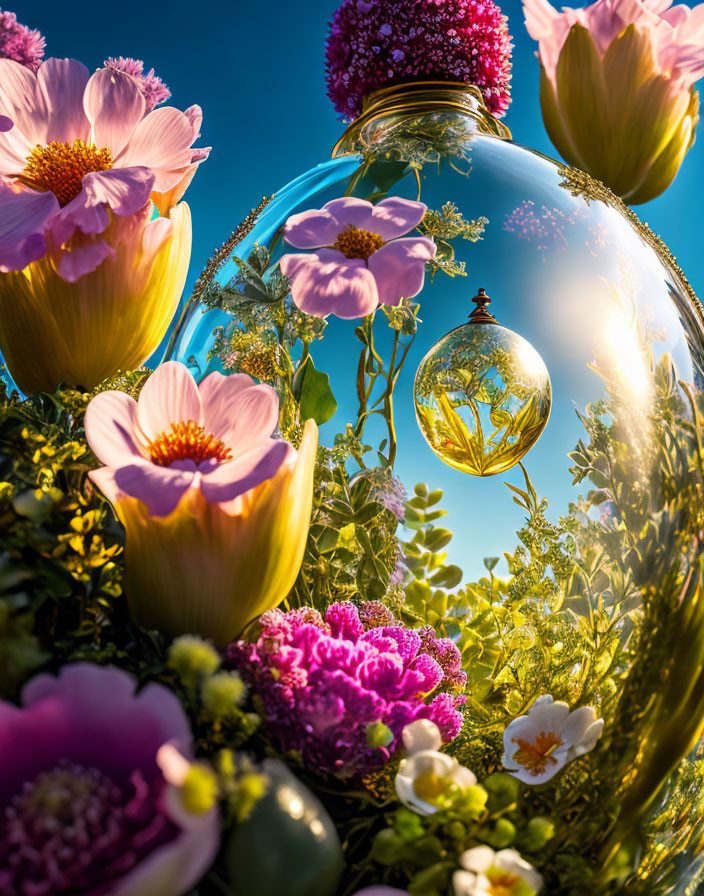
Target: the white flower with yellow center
(489, 873)
(539, 744)
(426, 778)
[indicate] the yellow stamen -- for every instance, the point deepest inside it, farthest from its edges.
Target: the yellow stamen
(537, 756)
(354, 243)
(502, 883)
(187, 441)
(60, 167)
(429, 786)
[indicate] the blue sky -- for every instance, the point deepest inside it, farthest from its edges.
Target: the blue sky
(257, 70)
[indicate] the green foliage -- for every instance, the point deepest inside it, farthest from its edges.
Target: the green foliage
(315, 396)
(444, 226)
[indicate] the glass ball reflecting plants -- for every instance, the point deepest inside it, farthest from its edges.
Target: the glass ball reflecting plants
(482, 395)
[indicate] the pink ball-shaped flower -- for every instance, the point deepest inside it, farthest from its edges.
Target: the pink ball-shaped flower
(377, 43)
(359, 258)
(24, 45)
(340, 691)
(84, 806)
(81, 150)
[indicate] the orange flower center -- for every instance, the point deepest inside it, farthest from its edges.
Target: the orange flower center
(60, 167)
(187, 441)
(502, 883)
(537, 756)
(354, 243)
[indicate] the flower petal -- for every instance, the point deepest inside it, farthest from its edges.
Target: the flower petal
(421, 735)
(6, 124)
(395, 216)
(170, 395)
(24, 215)
(230, 480)
(123, 190)
(23, 103)
(312, 229)
(114, 105)
(512, 862)
(350, 211)
(110, 423)
(162, 141)
(325, 282)
(237, 411)
(62, 83)
(78, 260)
(159, 488)
(399, 268)
(479, 859)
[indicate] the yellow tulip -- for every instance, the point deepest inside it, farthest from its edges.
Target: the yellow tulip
(110, 319)
(616, 89)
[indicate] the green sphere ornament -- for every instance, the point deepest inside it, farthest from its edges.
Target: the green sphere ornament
(482, 395)
(287, 845)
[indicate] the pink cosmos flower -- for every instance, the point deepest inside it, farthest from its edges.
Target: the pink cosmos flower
(216, 511)
(84, 806)
(359, 259)
(81, 150)
(215, 437)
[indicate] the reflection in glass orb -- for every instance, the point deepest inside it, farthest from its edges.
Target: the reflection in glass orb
(482, 395)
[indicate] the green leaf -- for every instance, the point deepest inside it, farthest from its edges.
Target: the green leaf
(317, 400)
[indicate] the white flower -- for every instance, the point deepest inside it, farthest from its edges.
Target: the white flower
(538, 745)
(425, 776)
(488, 873)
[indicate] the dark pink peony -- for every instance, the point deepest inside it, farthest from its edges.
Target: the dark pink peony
(84, 807)
(378, 43)
(24, 45)
(361, 256)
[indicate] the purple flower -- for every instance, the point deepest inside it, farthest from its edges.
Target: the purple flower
(376, 44)
(6, 124)
(359, 259)
(84, 806)
(153, 88)
(325, 684)
(19, 43)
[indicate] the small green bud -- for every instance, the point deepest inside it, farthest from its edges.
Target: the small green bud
(193, 659)
(457, 830)
(379, 734)
(387, 847)
(503, 834)
(503, 789)
(474, 801)
(199, 791)
(222, 694)
(251, 789)
(540, 830)
(408, 825)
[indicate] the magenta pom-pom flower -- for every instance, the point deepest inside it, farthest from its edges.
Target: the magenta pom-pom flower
(340, 692)
(84, 806)
(153, 88)
(361, 256)
(17, 42)
(83, 148)
(377, 43)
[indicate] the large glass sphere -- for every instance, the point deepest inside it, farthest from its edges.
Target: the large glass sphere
(568, 269)
(601, 523)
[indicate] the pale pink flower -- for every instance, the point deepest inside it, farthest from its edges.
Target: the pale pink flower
(360, 259)
(617, 88)
(81, 150)
(216, 511)
(216, 437)
(676, 32)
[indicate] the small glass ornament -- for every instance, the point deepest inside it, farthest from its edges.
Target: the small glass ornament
(482, 395)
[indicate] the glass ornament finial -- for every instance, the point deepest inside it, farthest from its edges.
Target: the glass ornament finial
(482, 395)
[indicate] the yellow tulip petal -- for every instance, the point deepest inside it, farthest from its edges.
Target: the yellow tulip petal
(582, 96)
(111, 319)
(552, 120)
